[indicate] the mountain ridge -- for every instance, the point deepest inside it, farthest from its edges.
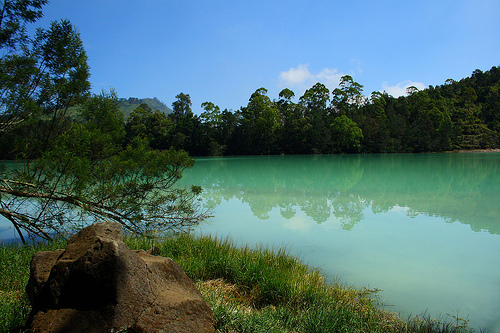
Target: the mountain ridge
(130, 104)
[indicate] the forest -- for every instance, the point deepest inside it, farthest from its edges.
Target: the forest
(458, 115)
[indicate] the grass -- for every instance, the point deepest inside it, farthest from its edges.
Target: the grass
(250, 290)
(14, 274)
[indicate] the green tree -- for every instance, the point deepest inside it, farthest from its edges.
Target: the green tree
(88, 176)
(101, 112)
(184, 123)
(491, 110)
(261, 123)
(293, 135)
(40, 79)
(14, 15)
(346, 135)
(286, 95)
(348, 98)
(315, 100)
(151, 125)
(213, 120)
(229, 123)
(420, 128)
(374, 123)
(75, 168)
(212, 114)
(182, 106)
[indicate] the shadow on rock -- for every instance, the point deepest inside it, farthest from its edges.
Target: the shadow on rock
(98, 284)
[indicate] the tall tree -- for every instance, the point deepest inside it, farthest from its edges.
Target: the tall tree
(346, 135)
(184, 122)
(151, 125)
(491, 110)
(14, 16)
(75, 168)
(182, 106)
(295, 124)
(40, 81)
(348, 97)
(88, 176)
(315, 100)
(262, 123)
(373, 122)
(213, 122)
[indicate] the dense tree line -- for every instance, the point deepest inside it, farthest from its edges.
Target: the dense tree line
(456, 115)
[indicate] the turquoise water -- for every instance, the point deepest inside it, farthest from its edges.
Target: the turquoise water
(425, 229)
(422, 228)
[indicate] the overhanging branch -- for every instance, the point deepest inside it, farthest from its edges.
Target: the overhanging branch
(173, 219)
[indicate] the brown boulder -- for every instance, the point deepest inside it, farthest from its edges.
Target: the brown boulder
(98, 284)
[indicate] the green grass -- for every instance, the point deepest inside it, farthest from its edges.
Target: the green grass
(250, 290)
(14, 274)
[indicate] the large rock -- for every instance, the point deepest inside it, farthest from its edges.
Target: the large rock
(98, 284)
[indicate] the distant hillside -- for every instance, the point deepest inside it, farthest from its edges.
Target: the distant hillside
(129, 105)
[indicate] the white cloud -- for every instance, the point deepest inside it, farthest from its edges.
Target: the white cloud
(400, 88)
(301, 78)
(296, 76)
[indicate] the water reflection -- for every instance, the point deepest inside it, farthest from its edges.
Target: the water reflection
(372, 220)
(455, 187)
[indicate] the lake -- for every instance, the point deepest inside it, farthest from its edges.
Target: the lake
(423, 228)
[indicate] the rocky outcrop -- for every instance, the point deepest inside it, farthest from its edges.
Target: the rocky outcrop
(98, 284)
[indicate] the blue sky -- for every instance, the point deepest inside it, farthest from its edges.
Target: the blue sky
(222, 51)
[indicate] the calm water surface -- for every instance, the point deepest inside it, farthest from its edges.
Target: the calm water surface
(425, 229)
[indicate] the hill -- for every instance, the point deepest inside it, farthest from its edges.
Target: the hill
(129, 105)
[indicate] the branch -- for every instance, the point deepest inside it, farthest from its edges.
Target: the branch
(12, 217)
(174, 217)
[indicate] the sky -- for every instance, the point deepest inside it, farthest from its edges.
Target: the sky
(222, 51)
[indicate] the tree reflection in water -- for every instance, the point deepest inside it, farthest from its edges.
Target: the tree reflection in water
(455, 187)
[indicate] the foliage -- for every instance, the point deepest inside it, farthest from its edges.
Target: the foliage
(348, 97)
(88, 176)
(76, 168)
(130, 104)
(249, 290)
(458, 115)
(15, 16)
(260, 123)
(41, 78)
(346, 135)
(145, 124)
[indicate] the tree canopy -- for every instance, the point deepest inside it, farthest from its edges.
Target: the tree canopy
(458, 115)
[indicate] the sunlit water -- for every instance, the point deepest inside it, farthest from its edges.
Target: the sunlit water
(425, 229)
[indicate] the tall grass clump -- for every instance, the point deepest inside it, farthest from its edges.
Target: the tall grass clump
(249, 290)
(266, 290)
(266, 277)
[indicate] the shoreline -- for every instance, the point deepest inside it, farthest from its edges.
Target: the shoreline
(489, 150)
